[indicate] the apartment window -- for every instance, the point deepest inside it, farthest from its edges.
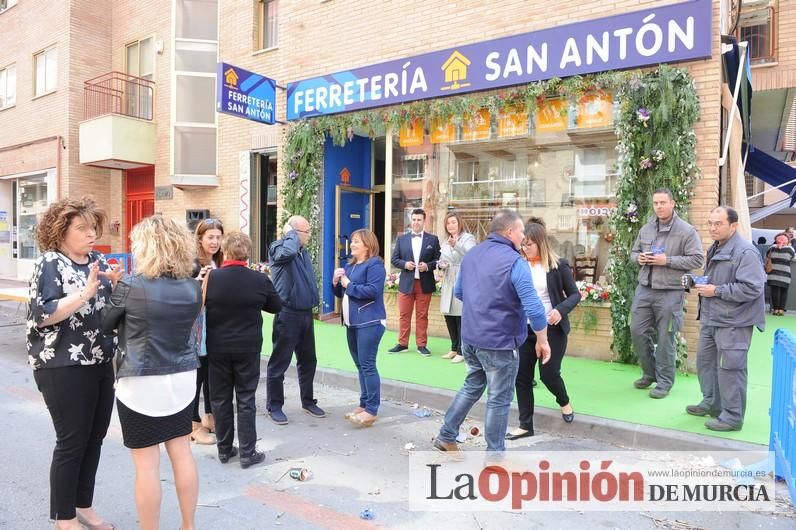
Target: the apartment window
(756, 26)
(5, 4)
(8, 86)
(267, 27)
(194, 81)
(46, 71)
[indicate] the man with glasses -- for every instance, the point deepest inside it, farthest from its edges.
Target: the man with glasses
(731, 305)
(294, 279)
(666, 248)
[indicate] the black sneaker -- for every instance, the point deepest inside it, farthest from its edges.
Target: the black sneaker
(224, 457)
(277, 416)
(257, 457)
(315, 411)
(397, 349)
(422, 350)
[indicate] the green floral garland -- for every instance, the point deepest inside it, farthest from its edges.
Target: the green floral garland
(657, 148)
(651, 156)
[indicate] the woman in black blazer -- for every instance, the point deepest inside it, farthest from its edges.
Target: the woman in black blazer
(556, 288)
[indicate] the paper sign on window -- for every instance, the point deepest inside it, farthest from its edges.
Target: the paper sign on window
(411, 135)
(477, 127)
(595, 110)
(512, 122)
(442, 131)
(552, 116)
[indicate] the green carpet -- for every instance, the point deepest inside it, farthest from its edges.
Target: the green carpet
(596, 388)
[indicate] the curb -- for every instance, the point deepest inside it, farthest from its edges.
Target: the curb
(625, 434)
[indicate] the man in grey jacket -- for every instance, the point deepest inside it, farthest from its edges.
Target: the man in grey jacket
(666, 248)
(731, 304)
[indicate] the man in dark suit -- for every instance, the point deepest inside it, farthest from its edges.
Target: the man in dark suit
(416, 254)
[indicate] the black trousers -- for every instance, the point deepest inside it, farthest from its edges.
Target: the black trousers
(240, 373)
(201, 386)
(293, 332)
(550, 373)
(455, 331)
(80, 402)
(779, 296)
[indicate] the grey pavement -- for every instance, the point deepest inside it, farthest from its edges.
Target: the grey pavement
(351, 468)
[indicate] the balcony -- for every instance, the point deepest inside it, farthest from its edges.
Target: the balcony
(117, 131)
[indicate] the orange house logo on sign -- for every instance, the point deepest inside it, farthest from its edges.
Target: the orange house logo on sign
(231, 78)
(345, 176)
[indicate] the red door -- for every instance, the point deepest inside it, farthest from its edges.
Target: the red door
(139, 198)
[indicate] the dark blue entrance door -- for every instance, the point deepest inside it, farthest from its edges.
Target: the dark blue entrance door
(353, 213)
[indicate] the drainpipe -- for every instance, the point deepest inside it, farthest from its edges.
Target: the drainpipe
(58, 141)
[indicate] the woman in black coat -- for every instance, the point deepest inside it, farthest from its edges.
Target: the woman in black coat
(555, 285)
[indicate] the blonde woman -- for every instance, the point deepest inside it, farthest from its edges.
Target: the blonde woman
(153, 312)
(456, 244)
(556, 288)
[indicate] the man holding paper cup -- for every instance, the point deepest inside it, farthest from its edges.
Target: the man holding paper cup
(666, 248)
(731, 305)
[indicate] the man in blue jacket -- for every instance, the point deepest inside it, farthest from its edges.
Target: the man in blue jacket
(294, 280)
(416, 253)
(498, 302)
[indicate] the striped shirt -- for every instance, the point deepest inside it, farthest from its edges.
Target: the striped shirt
(781, 259)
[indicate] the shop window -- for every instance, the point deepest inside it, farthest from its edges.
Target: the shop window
(5, 4)
(267, 24)
(570, 187)
(46, 71)
(31, 201)
(757, 27)
(8, 87)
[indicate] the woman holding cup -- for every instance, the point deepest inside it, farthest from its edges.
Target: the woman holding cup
(453, 249)
(360, 284)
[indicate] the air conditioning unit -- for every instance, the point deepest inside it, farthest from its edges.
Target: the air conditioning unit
(194, 217)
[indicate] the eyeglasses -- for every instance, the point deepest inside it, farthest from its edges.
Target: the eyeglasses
(302, 231)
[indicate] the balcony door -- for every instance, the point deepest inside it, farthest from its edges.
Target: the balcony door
(139, 198)
(139, 62)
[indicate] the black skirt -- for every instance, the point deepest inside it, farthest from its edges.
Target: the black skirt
(140, 430)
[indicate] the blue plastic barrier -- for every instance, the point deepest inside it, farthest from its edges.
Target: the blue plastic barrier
(125, 260)
(783, 408)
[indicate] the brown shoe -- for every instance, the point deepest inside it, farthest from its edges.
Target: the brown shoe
(450, 355)
(201, 435)
(209, 423)
(451, 449)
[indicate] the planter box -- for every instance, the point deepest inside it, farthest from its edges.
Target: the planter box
(590, 336)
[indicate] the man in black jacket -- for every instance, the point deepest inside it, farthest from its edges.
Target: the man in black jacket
(416, 253)
(294, 279)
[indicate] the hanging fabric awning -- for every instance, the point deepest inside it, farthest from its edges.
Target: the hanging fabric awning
(771, 171)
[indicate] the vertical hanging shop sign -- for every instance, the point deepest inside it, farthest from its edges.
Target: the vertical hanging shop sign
(245, 94)
(665, 34)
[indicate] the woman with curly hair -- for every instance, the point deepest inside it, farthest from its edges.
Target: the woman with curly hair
(70, 356)
(154, 311)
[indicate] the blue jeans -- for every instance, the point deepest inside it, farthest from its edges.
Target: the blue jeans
(363, 343)
(495, 370)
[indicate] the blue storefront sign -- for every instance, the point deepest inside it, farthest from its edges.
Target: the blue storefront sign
(245, 94)
(673, 33)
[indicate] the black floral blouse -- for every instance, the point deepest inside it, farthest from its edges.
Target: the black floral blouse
(76, 340)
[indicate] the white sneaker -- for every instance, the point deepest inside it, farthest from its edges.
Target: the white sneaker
(457, 359)
(449, 355)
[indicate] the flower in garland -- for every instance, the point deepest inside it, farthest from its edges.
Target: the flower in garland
(391, 282)
(643, 116)
(631, 214)
(293, 175)
(646, 163)
(658, 155)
